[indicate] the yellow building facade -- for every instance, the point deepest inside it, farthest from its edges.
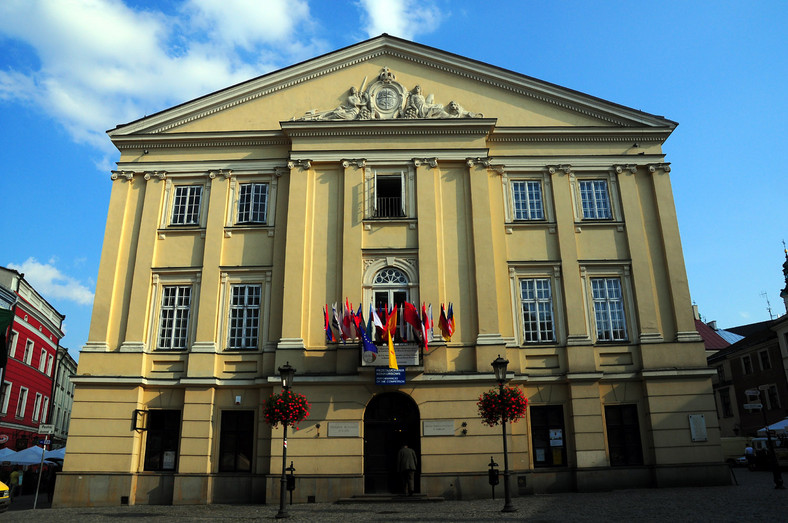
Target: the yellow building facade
(381, 173)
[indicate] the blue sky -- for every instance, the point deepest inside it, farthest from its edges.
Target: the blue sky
(71, 69)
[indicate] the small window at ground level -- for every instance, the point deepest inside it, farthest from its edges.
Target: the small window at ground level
(163, 434)
(623, 435)
(236, 441)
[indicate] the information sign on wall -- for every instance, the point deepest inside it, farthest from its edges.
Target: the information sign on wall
(387, 376)
(343, 429)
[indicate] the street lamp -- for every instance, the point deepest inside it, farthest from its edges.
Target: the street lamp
(287, 373)
(499, 366)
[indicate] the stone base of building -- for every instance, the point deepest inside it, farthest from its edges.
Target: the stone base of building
(104, 489)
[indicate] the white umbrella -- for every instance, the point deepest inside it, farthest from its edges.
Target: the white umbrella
(781, 427)
(29, 456)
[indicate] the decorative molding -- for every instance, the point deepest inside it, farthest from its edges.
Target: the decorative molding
(304, 165)
(431, 162)
(631, 167)
(565, 167)
(129, 175)
(358, 163)
(387, 99)
(161, 175)
(227, 173)
(653, 167)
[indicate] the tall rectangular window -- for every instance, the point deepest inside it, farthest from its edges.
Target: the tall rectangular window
(772, 397)
(5, 394)
(236, 441)
(746, 364)
(253, 203)
(623, 435)
(244, 328)
(766, 363)
(21, 403)
(186, 205)
(45, 410)
(174, 317)
(725, 403)
(547, 436)
(537, 304)
(161, 447)
(37, 406)
(28, 356)
(609, 315)
(527, 200)
(50, 363)
(12, 349)
(595, 200)
(389, 196)
(42, 361)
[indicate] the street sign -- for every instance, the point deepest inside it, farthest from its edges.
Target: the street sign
(46, 428)
(752, 393)
(753, 406)
(44, 442)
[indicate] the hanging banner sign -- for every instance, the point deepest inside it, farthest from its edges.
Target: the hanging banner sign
(386, 376)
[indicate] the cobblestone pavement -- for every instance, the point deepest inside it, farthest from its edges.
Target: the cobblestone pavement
(753, 499)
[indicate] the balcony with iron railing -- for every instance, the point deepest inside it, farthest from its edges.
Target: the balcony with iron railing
(388, 207)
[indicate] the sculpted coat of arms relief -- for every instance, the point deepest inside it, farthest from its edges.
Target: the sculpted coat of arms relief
(387, 99)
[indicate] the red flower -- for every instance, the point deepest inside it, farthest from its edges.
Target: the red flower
(508, 404)
(287, 408)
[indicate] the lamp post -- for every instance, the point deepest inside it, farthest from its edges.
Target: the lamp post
(287, 373)
(499, 366)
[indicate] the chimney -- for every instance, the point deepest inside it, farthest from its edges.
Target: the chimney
(713, 325)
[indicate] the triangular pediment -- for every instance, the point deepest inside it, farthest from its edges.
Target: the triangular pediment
(387, 78)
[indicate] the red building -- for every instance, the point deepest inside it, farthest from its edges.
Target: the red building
(27, 378)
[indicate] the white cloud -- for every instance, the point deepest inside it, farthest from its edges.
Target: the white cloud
(402, 18)
(103, 63)
(51, 283)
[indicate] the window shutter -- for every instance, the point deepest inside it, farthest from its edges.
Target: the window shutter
(375, 193)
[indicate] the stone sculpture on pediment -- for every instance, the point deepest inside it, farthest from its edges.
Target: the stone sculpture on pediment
(387, 99)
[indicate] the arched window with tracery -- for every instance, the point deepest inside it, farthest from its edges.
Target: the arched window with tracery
(391, 287)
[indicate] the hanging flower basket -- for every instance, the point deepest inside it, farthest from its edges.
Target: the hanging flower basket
(495, 404)
(286, 407)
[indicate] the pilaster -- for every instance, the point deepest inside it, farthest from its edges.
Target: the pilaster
(143, 247)
(640, 252)
(589, 428)
(488, 249)
(299, 228)
(674, 255)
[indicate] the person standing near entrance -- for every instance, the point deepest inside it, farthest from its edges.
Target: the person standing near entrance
(406, 466)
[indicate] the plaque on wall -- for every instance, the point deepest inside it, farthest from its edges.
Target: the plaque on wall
(343, 429)
(439, 427)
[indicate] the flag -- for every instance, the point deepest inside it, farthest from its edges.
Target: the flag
(392, 326)
(411, 316)
(443, 324)
(337, 324)
(370, 323)
(450, 319)
(346, 322)
(329, 333)
(431, 326)
(375, 319)
(425, 325)
(358, 321)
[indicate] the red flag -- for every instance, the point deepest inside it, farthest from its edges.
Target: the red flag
(411, 316)
(425, 325)
(346, 333)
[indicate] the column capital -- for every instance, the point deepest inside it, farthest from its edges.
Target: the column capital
(129, 175)
(565, 167)
(358, 162)
(431, 162)
(631, 167)
(161, 175)
(303, 164)
(227, 173)
(654, 167)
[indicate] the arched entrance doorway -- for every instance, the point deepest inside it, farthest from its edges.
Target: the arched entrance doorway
(391, 420)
